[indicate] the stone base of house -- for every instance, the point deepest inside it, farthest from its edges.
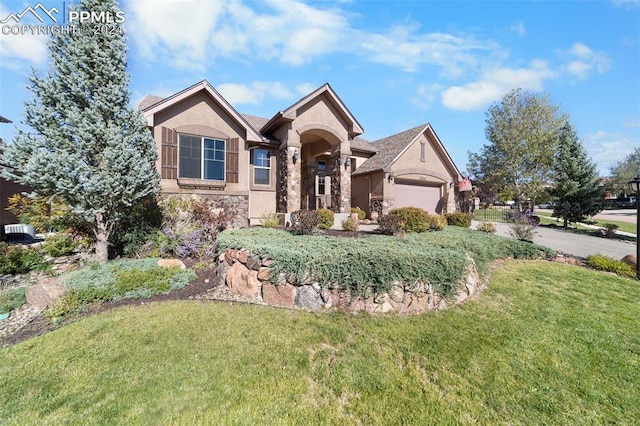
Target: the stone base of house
(249, 276)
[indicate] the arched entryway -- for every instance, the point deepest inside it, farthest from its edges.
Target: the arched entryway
(320, 170)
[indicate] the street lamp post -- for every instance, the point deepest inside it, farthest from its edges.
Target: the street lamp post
(634, 185)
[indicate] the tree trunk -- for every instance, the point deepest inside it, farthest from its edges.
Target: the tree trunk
(566, 223)
(102, 231)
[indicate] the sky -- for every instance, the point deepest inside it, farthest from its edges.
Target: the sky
(395, 64)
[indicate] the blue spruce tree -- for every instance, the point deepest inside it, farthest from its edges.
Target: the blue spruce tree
(576, 180)
(88, 146)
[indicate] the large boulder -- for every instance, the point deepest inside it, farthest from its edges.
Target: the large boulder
(281, 295)
(44, 294)
(309, 296)
(243, 281)
(630, 260)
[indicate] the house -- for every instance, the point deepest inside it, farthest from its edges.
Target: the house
(307, 156)
(7, 189)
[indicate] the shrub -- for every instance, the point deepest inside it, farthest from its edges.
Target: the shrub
(604, 263)
(190, 225)
(270, 220)
(350, 224)
(390, 224)
(610, 230)
(18, 260)
(437, 222)
(374, 262)
(361, 214)
(522, 226)
(137, 227)
(124, 279)
(304, 222)
(414, 219)
(59, 245)
(45, 214)
(459, 219)
(488, 227)
(11, 299)
(325, 218)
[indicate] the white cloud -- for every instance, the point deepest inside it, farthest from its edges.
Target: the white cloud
(288, 31)
(22, 50)
(254, 93)
(583, 61)
(425, 95)
(518, 28)
(173, 31)
(494, 83)
(606, 148)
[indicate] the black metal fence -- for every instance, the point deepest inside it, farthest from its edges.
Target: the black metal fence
(494, 213)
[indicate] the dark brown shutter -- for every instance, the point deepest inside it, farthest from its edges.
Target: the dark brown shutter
(169, 154)
(233, 146)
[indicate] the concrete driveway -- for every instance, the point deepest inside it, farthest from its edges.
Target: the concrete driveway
(573, 244)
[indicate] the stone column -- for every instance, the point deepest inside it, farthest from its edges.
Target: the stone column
(341, 180)
(294, 177)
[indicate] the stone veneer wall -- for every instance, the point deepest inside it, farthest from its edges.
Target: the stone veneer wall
(249, 276)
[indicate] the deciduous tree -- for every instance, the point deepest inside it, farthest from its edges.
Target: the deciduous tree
(522, 130)
(87, 147)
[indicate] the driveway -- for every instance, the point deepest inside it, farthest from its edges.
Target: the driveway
(573, 244)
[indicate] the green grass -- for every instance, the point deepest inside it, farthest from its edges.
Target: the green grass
(622, 226)
(544, 344)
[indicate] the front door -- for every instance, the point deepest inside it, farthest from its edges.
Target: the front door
(323, 186)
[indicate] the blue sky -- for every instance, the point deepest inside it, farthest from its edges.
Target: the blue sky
(395, 64)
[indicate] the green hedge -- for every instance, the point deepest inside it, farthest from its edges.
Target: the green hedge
(358, 264)
(604, 263)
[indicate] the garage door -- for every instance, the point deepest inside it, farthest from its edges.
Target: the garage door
(425, 197)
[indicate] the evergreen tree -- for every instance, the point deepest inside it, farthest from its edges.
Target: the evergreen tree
(576, 180)
(89, 147)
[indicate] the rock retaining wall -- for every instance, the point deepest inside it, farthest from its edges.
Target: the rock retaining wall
(248, 275)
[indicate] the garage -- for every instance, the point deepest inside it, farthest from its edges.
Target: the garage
(412, 195)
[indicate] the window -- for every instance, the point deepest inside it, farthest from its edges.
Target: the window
(201, 158)
(322, 173)
(261, 167)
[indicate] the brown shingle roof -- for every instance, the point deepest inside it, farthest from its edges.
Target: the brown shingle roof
(388, 149)
(254, 121)
(149, 100)
(361, 144)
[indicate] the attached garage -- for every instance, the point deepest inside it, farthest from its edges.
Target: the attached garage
(423, 196)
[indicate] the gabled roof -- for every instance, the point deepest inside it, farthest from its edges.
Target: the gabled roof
(153, 108)
(361, 144)
(148, 101)
(289, 114)
(4, 120)
(392, 147)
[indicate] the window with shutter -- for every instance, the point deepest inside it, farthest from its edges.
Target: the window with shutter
(233, 147)
(169, 154)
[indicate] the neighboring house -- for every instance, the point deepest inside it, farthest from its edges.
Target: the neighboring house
(309, 155)
(7, 189)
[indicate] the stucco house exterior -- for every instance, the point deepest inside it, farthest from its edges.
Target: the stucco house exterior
(309, 155)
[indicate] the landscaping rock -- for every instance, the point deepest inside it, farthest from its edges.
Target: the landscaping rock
(170, 263)
(630, 260)
(243, 281)
(282, 295)
(396, 293)
(44, 294)
(308, 297)
(254, 262)
(263, 273)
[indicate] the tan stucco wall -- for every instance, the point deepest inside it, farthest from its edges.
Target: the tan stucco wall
(201, 109)
(261, 203)
(432, 171)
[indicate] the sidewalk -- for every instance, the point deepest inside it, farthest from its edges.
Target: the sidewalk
(574, 244)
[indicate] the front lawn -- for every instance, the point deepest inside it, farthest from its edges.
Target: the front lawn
(544, 344)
